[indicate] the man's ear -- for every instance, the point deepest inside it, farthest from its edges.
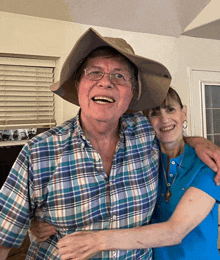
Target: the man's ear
(77, 86)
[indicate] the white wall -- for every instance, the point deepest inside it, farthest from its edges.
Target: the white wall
(37, 36)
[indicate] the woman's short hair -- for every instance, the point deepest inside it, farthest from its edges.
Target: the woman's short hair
(171, 95)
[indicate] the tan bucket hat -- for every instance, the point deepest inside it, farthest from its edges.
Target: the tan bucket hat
(153, 78)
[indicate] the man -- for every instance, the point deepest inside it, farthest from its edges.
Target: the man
(98, 170)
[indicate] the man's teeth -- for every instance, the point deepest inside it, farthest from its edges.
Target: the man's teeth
(164, 129)
(103, 99)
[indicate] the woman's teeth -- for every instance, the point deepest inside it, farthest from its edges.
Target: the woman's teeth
(164, 129)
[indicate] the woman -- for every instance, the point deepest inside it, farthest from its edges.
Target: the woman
(186, 215)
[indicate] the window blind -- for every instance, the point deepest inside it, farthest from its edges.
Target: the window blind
(25, 98)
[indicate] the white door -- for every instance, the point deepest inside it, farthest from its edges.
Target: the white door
(205, 107)
(199, 95)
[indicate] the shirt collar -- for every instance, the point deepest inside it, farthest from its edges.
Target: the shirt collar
(79, 132)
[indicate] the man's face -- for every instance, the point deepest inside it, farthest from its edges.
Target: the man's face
(103, 100)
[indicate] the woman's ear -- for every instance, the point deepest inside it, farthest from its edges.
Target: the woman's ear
(184, 109)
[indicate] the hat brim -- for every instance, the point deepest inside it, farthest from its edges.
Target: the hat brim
(154, 78)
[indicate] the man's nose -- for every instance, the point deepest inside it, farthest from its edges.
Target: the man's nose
(105, 81)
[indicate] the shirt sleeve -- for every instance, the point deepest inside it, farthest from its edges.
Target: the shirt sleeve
(15, 209)
(205, 182)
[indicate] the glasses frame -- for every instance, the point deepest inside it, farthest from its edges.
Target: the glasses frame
(112, 74)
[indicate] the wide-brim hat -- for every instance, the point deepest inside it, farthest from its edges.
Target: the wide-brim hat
(153, 77)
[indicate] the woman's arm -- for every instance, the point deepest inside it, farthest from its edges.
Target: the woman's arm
(194, 206)
(208, 152)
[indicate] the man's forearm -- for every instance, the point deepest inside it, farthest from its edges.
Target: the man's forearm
(4, 251)
(193, 140)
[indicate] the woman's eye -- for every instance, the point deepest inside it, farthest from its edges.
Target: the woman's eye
(171, 109)
(153, 114)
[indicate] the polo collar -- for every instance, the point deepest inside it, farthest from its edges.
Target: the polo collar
(188, 159)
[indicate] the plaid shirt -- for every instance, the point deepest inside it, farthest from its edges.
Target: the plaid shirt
(59, 178)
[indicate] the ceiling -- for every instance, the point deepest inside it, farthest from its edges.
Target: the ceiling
(197, 18)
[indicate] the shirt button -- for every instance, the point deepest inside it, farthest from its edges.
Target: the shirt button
(168, 184)
(114, 253)
(171, 175)
(114, 217)
(97, 157)
(173, 162)
(162, 194)
(82, 145)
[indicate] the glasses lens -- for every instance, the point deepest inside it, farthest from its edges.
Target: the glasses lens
(118, 78)
(94, 73)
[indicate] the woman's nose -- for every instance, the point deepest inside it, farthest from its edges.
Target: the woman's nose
(164, 117)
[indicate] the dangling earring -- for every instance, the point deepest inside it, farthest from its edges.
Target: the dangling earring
(185, 124)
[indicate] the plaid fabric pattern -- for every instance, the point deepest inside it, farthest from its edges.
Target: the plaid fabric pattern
(59, 178)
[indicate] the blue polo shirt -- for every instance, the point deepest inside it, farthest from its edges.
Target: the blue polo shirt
(201, 242)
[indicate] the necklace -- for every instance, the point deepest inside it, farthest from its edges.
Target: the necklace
(169, 186)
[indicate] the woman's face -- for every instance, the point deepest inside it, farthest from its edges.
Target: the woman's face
(167, 122)
(103, 100)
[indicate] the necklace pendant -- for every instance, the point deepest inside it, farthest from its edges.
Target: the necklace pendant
(168, 195)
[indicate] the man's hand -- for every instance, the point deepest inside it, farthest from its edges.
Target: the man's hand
(41, 230)
(4, 252)
(208, 152)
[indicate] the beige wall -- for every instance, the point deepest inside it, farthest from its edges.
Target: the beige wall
(37, 36)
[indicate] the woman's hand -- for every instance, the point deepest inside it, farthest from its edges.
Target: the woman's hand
(81, 245)
(208, 152)
(41, 230)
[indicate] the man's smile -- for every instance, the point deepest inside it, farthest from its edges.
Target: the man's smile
(103, 99)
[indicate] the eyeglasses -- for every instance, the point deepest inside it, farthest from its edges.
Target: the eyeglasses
(97, 74)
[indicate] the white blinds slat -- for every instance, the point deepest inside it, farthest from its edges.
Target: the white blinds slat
(26, 88)
(22, 104)
(18, 114)
(43, 107)
(5, 80)
(27, 62)
(25, 94)
(24, 69)
(23, 83)
(6, 99)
